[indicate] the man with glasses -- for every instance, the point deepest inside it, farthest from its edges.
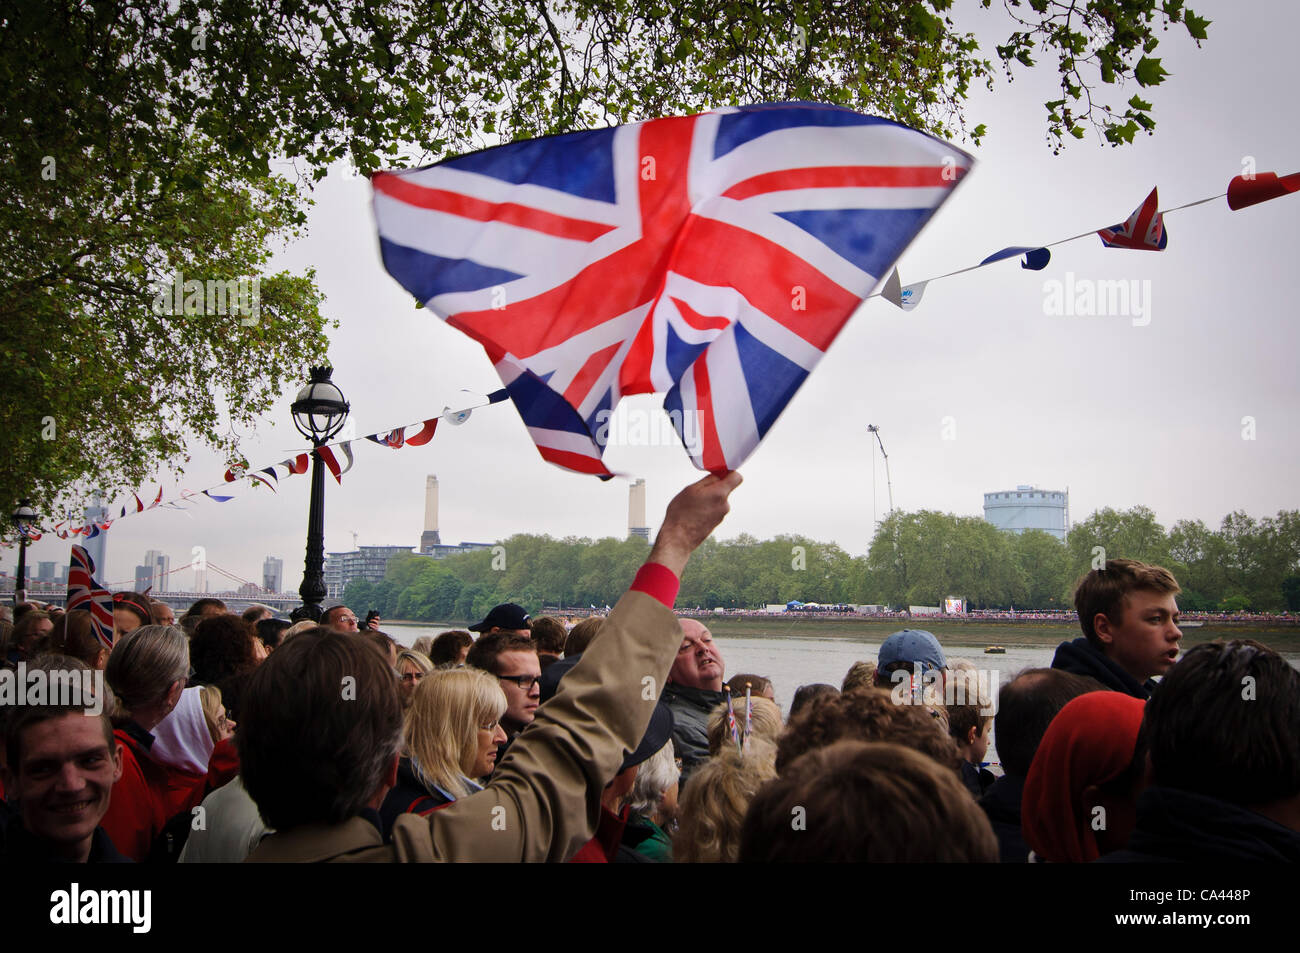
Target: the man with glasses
(340, 619)
(513, 660)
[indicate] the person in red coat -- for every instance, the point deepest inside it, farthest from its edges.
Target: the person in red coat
(147, 671)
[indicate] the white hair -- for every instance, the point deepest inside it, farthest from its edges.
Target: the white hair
(658, 773)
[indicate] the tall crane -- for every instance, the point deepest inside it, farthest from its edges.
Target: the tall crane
(872, 428)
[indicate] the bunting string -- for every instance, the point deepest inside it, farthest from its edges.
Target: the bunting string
(269, 476)
(1143, 230)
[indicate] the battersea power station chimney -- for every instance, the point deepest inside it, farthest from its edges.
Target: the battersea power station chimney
(429, 538)
(636, 525)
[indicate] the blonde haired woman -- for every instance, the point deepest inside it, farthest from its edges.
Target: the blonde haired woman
(713, 808)
(411, 669)
(452, 731)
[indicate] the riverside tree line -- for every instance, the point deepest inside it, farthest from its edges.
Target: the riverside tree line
(916, 558)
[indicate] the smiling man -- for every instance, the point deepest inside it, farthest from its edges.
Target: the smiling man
(62, 764)
(1130, 627)
(694, 689)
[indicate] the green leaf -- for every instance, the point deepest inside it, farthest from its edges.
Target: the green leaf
(1196, 25)
(1137, 103)
(1149, 72)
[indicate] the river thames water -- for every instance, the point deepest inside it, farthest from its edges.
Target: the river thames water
(791, 661)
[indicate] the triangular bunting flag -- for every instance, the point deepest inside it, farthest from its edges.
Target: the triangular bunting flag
(331, 461)
(297, 464)
(1244, 191)
(425, 434)
(261, 479)
(893, 290)
(327, 457)
(1144, 230)
(1036, 259)
(911, 295)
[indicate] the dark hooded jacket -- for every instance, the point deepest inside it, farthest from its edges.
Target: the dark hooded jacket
(1001, 803)
(1179, 826)
(1081, 657)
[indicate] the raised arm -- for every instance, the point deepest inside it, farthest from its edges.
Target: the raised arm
(544, 800)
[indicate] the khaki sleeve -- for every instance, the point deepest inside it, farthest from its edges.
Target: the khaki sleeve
(544, 800)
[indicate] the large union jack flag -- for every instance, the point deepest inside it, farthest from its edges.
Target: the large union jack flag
(714, 257)
(1144, 230)
(85, 593)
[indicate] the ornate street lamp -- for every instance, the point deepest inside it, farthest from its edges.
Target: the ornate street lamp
(319, 414)
(24, 518)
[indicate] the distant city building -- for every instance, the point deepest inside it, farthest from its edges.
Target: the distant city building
(366, 562)
(45, 572)
(272, 573)
(161, 566)
(430, 538)
(636, 524)
(97, 513)
(249, 590)
(1028, 507)
(443, 550)
(200, 579)
(143, 578)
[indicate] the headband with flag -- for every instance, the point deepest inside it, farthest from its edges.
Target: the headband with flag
(85, 593)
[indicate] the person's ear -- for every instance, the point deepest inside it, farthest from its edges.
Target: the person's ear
(174, 693)
(1105, 630)
(971, 732)
(117, 761)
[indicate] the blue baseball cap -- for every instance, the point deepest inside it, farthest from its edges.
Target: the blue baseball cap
(913, 645)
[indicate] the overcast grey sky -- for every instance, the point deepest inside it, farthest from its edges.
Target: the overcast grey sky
(1122, 414)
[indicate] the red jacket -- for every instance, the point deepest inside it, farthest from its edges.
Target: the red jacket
(603, 848)
(148, 794)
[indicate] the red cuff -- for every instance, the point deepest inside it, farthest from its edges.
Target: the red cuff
(655, 579)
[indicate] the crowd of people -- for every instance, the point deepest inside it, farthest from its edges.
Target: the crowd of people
(223, 738)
